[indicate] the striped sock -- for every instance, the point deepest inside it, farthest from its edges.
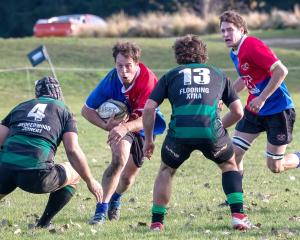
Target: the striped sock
(232, 186)
(158, 213)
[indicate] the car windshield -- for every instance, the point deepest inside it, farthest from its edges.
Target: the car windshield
(67, 18)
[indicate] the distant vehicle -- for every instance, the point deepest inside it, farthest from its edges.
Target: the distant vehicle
(68, 25)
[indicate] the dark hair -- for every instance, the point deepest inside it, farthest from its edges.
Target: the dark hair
(48, 87)
(235, 18)
(190, 49)
(127, 49)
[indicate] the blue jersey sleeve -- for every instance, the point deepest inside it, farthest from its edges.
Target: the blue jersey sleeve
(109, 87)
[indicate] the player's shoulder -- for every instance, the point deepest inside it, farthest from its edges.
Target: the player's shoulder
(146, 71)
(250, 40)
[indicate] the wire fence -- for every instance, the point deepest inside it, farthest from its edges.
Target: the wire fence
(159, 70)
(24, 77)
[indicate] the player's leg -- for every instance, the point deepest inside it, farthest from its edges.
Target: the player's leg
(277, 162)
(111, 177)
(246, 131)
(173, 155)
(161, 196)
(241, 143)
(279, 133)
(7, 182)
(222, 153)
(126, 180)
(61, 182)
(232, 186)
(128, 176)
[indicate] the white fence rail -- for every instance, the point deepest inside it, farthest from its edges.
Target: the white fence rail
(291, 68)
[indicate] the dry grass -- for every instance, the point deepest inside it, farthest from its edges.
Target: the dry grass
(157, 24)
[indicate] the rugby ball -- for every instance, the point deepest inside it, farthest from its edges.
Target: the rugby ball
(113, 107)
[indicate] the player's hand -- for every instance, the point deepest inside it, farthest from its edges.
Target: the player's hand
(256, 104)
(148, 149)
(117, 133)
(220, 105)
(96, 189)
(112, 122)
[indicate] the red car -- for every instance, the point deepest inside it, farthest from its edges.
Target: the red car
(69, 25)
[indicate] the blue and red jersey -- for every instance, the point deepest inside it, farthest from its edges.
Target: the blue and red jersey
(254, 62)
(135, 97)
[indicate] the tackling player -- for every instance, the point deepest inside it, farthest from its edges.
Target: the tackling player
(29, 137)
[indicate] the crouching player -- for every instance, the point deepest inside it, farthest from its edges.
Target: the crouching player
(29, 137)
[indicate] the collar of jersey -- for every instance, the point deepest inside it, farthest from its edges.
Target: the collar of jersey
(235, 52)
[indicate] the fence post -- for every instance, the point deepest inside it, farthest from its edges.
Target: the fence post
(28, 82)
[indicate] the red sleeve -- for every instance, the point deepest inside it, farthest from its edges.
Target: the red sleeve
(145, 83)
(261, 54)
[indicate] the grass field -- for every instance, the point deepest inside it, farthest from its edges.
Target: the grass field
(273, 200)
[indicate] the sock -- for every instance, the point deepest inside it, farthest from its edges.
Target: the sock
(298, 155)
(242, 174)
(232, 186)
(101, 208)
(115, 199)
(158, 213)
(57, 200)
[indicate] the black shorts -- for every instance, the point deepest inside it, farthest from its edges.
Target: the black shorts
(174, 152)
(279, 126)
(136, 149)
(33, 181)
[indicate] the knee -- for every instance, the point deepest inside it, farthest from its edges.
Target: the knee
(275, 162)
(238, 153)
(229, 165)
(127, 179)
(166, 170)
(117, 166)
(72, 177)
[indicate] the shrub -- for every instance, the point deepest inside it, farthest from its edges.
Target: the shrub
(158, 24)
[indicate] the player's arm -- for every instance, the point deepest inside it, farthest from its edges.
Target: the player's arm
(148, 123)
(3, 134)
(278, 74)
(79, 162)
(93, 117)
(239, 85)
(234, 115)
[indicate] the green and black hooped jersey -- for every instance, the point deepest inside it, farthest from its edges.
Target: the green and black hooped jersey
(194, 91)
(36, 128)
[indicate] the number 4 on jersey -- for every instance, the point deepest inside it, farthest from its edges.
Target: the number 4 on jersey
(38, 112)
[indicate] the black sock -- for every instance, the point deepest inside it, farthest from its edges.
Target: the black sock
(57, 200)
(158, 213)
(232, 186)
(158, 217)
